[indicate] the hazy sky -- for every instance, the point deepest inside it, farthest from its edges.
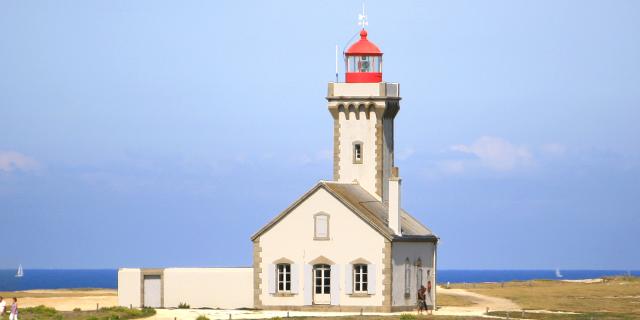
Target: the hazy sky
(152, 133)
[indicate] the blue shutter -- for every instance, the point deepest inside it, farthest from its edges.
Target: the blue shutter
(294, 277)
(271, 287)
(371, 278)
(335, 285)
(308, 285)
(348, 279)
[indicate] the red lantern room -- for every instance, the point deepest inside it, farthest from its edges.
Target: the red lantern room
(364, 61)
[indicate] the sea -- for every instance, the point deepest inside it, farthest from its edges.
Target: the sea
(108, 278)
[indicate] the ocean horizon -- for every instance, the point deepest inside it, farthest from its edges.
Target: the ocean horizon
(108, 278)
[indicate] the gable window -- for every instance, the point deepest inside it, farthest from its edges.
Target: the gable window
(284, 277)
(407, 278)
(360, 278)
(357, 152)
(321, 226)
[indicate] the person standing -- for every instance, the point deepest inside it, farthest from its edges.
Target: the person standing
(3, 305)
(14, 310)
(421, 299)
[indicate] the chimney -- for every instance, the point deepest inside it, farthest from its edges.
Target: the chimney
(394, 201)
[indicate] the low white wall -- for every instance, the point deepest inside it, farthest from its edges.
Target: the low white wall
(129, 287)
(225, 288)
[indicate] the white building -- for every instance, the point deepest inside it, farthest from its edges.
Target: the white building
(345, 245)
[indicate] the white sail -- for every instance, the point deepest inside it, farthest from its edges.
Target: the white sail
(558, 274)
(20, 272)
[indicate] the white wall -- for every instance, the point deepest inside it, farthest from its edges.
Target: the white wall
(129, 287)
(293, 239)
(225, 288)
(412, 250)
(354, 126)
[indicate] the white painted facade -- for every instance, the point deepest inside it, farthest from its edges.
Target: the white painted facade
(225, 288)
(351, 239)
(358, 125)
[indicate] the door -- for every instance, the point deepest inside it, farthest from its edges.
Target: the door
(322, 284)
(152, 290)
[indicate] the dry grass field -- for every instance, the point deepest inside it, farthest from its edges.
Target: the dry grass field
(617, 295)
(445, 300)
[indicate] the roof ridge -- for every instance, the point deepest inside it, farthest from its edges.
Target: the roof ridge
(338, 182)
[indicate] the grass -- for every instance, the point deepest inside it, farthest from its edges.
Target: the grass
(112, 313)
(616, 297)
(445, 300)
(565, 316)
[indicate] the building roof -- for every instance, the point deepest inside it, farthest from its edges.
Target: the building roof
(367, 207)
(363, 47)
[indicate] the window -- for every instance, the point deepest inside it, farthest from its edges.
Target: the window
(419, 273)
(284, 277)
(321, 226)
(360, 278)
(407, 278)
(364, 64)
(357, 152)
(322, 274)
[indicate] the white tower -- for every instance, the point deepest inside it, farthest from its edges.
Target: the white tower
(363, 110)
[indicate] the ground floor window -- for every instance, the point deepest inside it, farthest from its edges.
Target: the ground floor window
(284, 277)
(360, 278)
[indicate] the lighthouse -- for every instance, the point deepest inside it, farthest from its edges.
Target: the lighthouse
(363, 109)
(343, 245)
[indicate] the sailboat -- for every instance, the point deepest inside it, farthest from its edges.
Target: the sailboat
(20, 272)
(558, 274)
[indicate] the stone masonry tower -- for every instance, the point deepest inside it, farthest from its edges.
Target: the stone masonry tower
(363, 109)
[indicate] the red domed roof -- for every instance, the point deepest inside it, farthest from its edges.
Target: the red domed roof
(363, 47)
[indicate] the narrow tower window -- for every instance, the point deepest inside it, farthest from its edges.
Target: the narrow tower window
(357, 152)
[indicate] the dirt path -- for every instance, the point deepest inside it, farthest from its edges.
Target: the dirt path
(481, 301)
(478, 309)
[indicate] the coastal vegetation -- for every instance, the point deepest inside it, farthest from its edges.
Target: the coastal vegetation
(609, 298)
(111, 313)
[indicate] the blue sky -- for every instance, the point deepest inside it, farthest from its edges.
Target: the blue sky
(152, 133)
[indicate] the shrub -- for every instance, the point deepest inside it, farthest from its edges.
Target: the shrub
(77, 309)
(183, 305)
(202, 318)
(41, 311)
(408, 316)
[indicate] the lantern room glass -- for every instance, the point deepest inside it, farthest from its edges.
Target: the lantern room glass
(364, 64)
